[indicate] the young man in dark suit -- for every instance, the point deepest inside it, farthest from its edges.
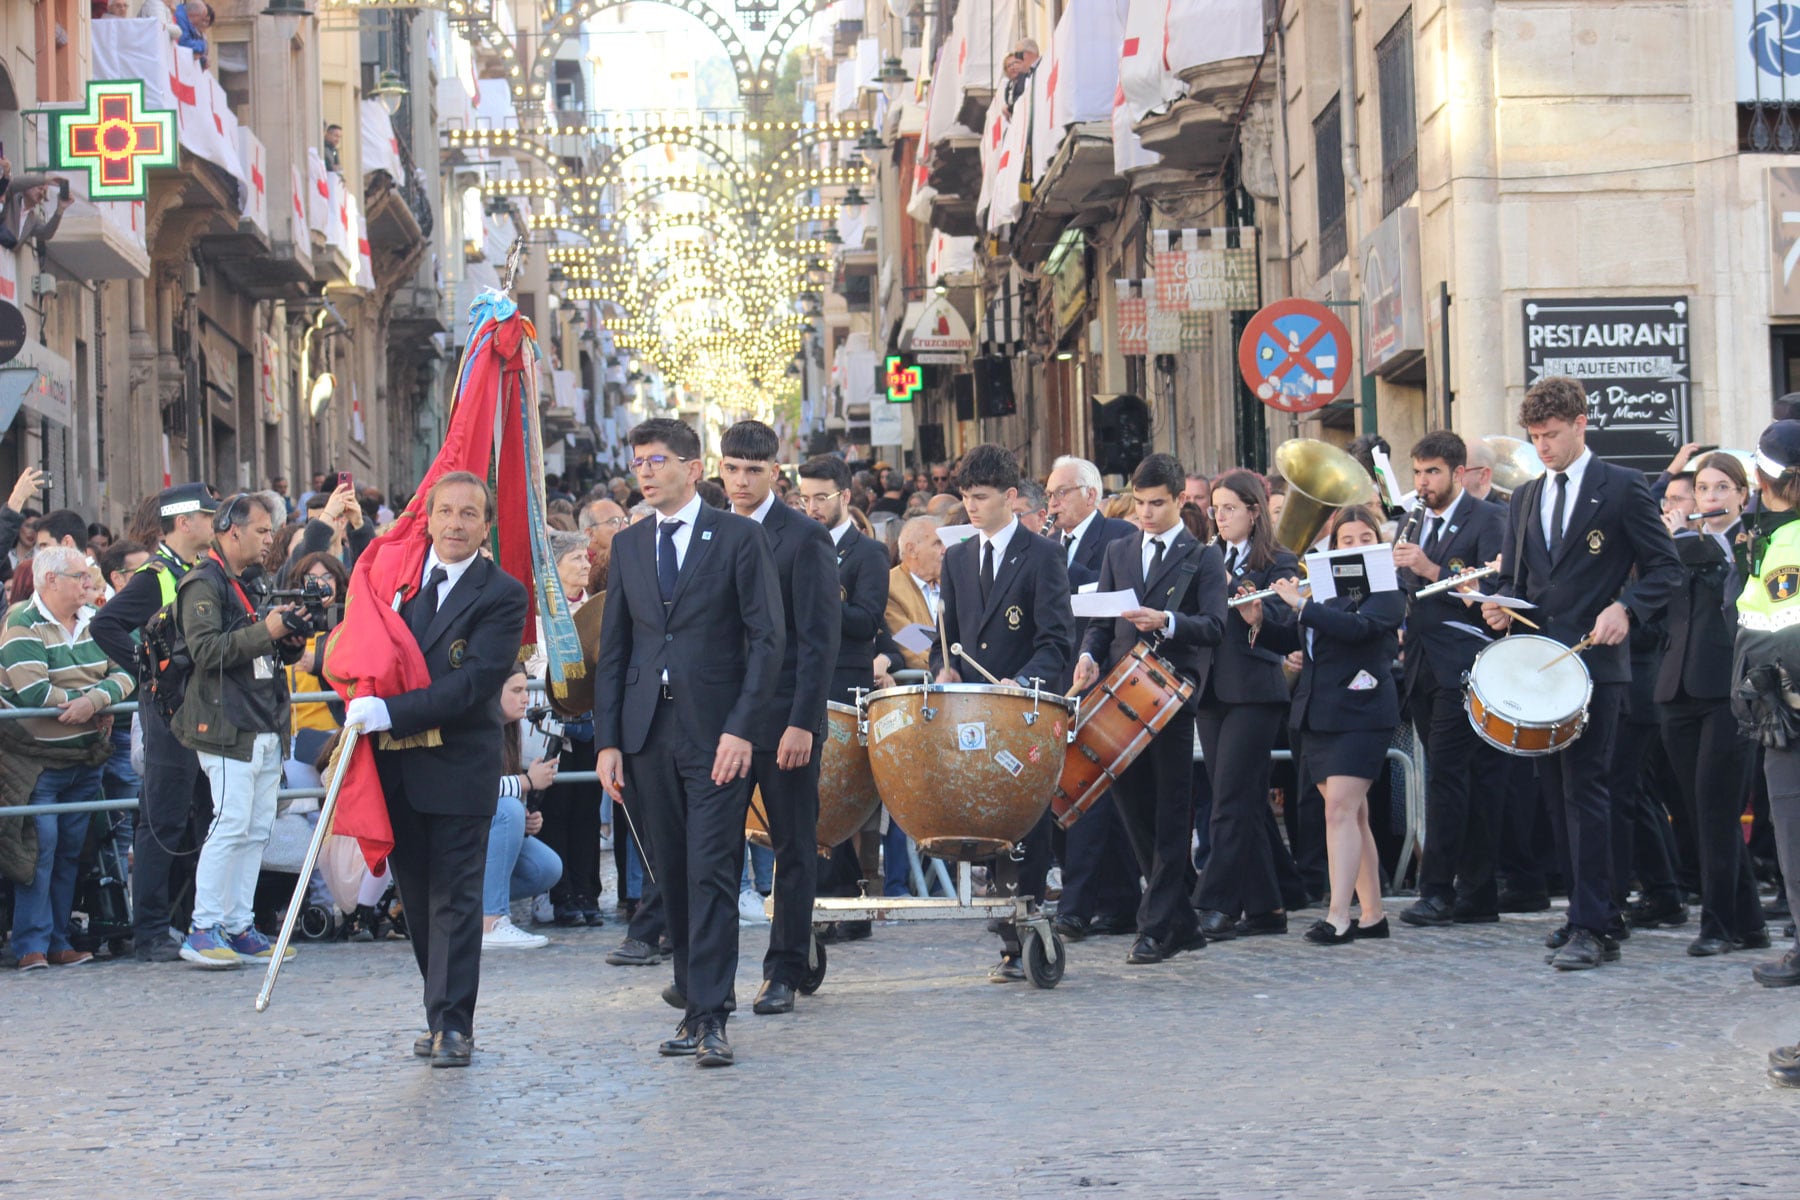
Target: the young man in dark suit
(1006, 601)
(1451, 532)
(794, 721)
(861, 570)
(1576, 534)
(1180, 586)
(1100, 892)
(690, 654)
(469, 619)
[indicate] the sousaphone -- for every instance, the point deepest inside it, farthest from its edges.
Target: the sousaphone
(1515, 464)
(1321, 479)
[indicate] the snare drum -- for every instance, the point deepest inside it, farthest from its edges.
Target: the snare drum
(1518, 704)
(847, 795)
(1138, 697)
(965, 768)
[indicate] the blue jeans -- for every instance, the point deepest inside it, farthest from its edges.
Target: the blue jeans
(517, 866)
(759, 870)
(119, 782)
(41, 911)
(896, 867)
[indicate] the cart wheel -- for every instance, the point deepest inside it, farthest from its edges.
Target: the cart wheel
(815, 971)
(1039, 969)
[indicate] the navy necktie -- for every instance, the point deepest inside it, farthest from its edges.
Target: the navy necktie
(987, 570)
(666, 566)
(425, 604)
(1558, 512)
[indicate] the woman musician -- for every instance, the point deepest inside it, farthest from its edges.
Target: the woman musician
(1345, 709)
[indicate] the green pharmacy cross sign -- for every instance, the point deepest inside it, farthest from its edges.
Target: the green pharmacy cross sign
(903, 382)
(115, 140)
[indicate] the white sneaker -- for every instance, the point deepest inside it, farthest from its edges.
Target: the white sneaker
(750, 909)
(542, 911)
(507, 936)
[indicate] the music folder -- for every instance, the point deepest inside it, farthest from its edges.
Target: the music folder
(1353, 573)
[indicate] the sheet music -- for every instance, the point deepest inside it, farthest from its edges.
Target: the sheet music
(1104, 604)
(950, 535)
(1376, 562)
(917, 638)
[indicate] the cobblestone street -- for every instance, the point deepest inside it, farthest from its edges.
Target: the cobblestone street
(1442, 1059)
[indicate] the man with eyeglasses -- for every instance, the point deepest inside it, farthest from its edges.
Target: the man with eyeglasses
(690, 652)
(1100, 872)
(940, 478)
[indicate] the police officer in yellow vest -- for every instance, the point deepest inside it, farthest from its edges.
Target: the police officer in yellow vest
(1767, 671)
(172, 786)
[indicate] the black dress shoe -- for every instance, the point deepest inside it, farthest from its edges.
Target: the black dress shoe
(1378, 931)
(1217, 926)
(1783, 972)
(1324, 933)
(1262, 925)
(715, 1048)
(1071, 929)
(451, 1049)
(1111, 926)
(1469, 914)
(1007, 970)
(1152, 950)
(685, 1042)
(1428, 911)
(1756, 939)
(773, 998)
(1582, 952)
(422, 1045)
(158, 950)
(673, 998)
(1706, 946)
(1524, 902)
(1668, 913)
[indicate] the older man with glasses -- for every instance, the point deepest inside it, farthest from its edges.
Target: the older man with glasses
(49, 660)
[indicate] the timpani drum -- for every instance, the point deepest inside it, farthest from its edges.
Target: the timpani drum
(1139, 696)
(1527, 695)
(847, 795)
(965, 768)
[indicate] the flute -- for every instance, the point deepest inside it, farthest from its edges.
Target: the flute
(1456, 581)
(1707, 516)
(1240, 601)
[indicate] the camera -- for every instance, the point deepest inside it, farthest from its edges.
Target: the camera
(313, 597)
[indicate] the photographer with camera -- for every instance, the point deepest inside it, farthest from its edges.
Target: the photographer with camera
(234, 716)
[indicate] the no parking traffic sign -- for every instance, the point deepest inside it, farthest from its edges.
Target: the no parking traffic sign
(1295, 355)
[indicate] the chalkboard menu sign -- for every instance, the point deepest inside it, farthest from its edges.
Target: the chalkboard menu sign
(1631, 354)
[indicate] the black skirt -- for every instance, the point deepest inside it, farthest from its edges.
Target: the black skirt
(1359, 753)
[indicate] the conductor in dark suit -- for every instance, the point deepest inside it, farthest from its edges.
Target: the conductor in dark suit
(1452, 532)
(1100, 892)
(690, 655)
(1181, 589)
(1576, 534)
(1006, 602)
(861, 569)
(794, 720)
(469, 618)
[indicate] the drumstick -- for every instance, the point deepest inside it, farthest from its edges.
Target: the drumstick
(1577, 648)
(985, 673)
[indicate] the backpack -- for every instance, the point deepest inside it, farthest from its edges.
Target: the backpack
(164, 664)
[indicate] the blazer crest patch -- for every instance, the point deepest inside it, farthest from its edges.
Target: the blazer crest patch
(1595, 540)
(459, 650)
(1015, 617)
(1455, 566)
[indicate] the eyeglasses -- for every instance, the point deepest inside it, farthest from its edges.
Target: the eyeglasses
(1062, 493)
(816, 501)
(81, 575)
(654, 462)
(614, 522)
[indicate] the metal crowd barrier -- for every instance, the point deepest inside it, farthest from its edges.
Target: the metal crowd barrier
(1411, 775)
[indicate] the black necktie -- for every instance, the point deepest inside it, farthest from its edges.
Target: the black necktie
(1231, 556)
(1068, 540)
(1559, 512)
(987, 570)
(1156, 556)
(666, 566)
(1431, 532)
(425, 604)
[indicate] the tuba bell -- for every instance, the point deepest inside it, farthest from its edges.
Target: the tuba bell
(1515, 464)
(1321, 479)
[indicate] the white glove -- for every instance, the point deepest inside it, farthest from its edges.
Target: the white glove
(370, 712)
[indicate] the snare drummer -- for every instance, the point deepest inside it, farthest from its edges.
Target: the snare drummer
(1577, 532)
(1181, 586)
(1006, 602)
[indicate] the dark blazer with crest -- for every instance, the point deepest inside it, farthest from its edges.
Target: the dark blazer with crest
(1611, 525)
(804, 570)
(861, 569)
(1437, 654)
(1700, 626)
(1248, 672)
(1026, 629)
(1349, 636)
(720, 638)
(470, 647)
(1090, 551)
(1190, 583)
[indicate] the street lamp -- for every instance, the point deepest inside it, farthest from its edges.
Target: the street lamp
(287, 8)
(390, 89)
(892, 77)
(870, 141)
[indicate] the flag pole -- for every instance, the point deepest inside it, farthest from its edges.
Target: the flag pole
(345, 745)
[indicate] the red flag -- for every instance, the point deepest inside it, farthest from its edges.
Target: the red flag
(373, 651)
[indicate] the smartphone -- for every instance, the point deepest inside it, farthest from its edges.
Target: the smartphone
(344, 479)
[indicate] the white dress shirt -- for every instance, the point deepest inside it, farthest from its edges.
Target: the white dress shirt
(1076, 534)
(1234, 554)
(1547, 502)
(687, 515)
(999, 542)
(453, 572)
(1167, 538)
(930, 592)
(838, 531)
(1441, 520)
(762, 510)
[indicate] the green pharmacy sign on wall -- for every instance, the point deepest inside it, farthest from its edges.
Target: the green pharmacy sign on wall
(115, 139)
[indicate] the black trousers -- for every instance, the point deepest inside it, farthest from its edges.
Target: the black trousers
(1781, 770)
(790, 802)
(1240, 875)
(174, 812)
(696, 834)
(572, 827)
(1577, 791)
(1462, 821)
(1156, 806)
(1526, 843)
(1643, 846)
(1100, 871)
(1302, 819)
(1712, 765)
(1027, 873)
(438, 864)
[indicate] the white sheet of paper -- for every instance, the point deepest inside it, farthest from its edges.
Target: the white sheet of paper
(917, 638)
(1379, 559)
(950, 535)
(1086, 588)
(1484, 634)
(1497, 598)
(1104, 604)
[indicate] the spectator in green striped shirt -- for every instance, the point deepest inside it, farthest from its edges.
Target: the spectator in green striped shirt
(48, 660)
